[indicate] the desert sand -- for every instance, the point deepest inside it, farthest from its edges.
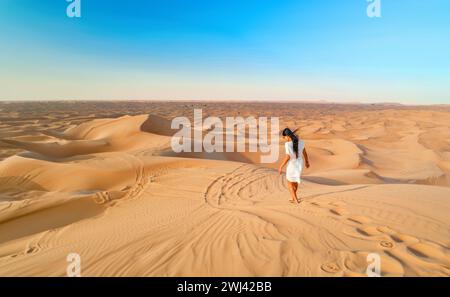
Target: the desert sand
(100, 179)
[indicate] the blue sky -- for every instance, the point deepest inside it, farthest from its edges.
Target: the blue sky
(233, 49)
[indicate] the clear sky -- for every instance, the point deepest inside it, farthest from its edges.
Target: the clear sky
(226, 49)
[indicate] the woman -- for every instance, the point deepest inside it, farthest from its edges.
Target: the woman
(294, 159)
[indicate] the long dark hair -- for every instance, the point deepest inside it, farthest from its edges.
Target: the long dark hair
(294, 138)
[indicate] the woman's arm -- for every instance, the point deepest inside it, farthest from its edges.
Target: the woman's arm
(305, 156)
(286, 159)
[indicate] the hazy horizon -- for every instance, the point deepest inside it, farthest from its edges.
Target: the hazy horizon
(252, 51)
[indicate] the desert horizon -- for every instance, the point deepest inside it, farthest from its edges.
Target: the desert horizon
(231, 101)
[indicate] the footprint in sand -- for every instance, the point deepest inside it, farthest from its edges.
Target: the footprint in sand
(447, 244)
(32, 250)
(386, 230)
(387, 244)
(403, 238)
(337, 204)
(9, 256)
(359, 219)
(336, 209)
(425, 251)
(330, 267)
(339, 211)
(428, 251)
(316, 204)
(368, 231)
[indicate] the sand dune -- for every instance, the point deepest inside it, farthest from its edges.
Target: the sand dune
(111, 190)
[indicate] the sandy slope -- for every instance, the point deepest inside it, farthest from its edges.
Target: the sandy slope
(111, 191)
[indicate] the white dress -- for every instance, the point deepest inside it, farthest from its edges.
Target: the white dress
(295, 165)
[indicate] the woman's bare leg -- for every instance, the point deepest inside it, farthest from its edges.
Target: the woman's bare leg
(293, 192)
(295, 189)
